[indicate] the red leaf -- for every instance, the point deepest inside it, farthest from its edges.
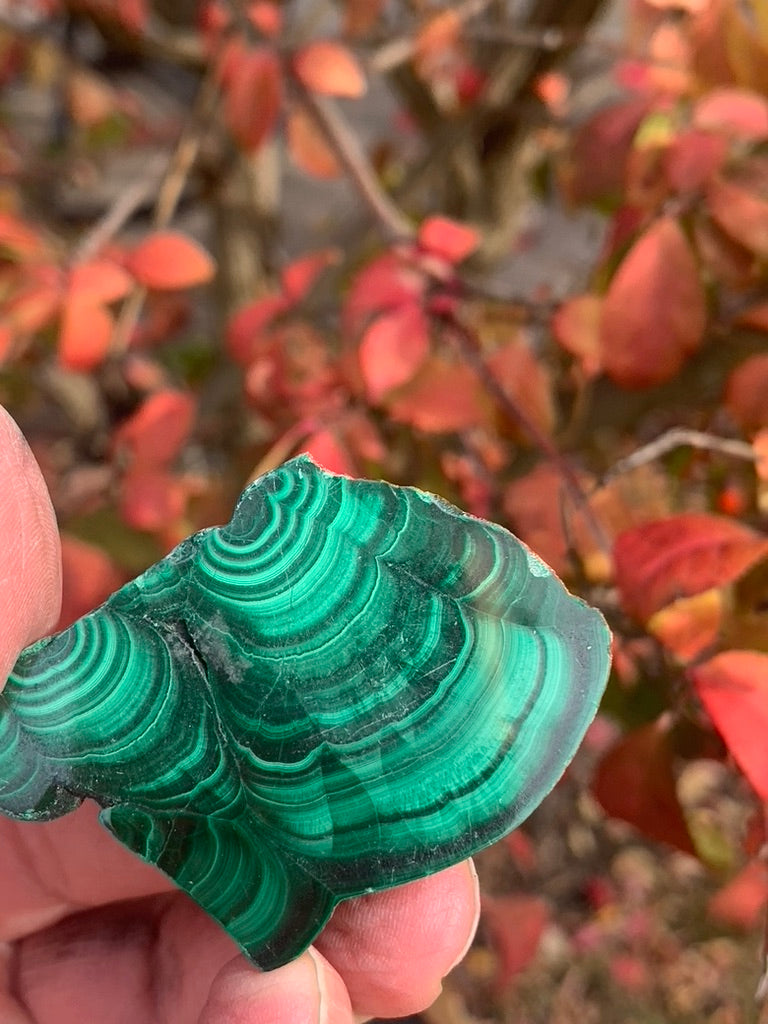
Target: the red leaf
(330, 453)
(634, 782)
(654, 312)
(444, 397)
(576, 327)
(88, 576)
(85, 334)
(330, 69)
(741, 902)
(99, 281)
(738, 113)
(692, 160)
(746, 393)
(247, 327)
(155, 434)
(527, 381)
(167, 260)
(309, 148)
(361, 15)
(253, 94)
(733, 687)
(19, 241)
(515, 925)
(680, 556)
(393, 349)
(384, 284)
(598, 158)
(741, 211)
(448, 239)
(299, 277)
(151, 499)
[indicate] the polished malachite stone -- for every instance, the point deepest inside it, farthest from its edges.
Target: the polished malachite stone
(349, 686)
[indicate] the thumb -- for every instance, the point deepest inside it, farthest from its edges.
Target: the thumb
(30, 558)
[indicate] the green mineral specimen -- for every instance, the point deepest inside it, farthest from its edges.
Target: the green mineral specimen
(349, 686)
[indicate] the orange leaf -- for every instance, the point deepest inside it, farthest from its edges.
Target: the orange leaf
(733, 687)
(253, 94)
(393, 349)
(167, 260)
(88, 577)
(634, 781)
(155, 434)
(308, 147)
(86, 331)
(527, 382)
(90, 98)
(680, 556)
(690, 625)
(741, 902)
(330, 69)
(515, 926)
(299, 277)
(18, 241)
(741, 211)
(384, 284)
(443, 397)
(448, 239)
(746, 393)
(576, 327)
(654, 312)
(99, 281)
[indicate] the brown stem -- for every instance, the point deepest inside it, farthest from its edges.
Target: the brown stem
(348, 151)
(468, 345)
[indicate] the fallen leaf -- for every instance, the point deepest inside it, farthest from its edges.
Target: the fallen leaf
(654, 313)
(661, 561)
(733, 687)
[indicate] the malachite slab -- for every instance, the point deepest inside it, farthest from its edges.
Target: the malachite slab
(349, 686)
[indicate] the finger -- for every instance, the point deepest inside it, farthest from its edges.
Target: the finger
(142, 960)
(30, 560)
(306, 991)
(393, 948)
(56, 868)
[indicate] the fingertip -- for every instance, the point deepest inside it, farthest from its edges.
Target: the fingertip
(306, 991)
(30, 558)
(393, 948)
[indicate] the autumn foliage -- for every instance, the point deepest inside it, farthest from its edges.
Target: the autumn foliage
(166, 338)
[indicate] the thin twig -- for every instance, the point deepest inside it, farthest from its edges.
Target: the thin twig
(681, 437)
(397, 51)
(171, 187)
(348, 151)
(469, 347)
(115, 217)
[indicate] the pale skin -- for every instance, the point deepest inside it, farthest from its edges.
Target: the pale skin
(89, 933)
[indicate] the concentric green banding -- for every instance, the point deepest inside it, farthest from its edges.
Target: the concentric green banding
(349, 686)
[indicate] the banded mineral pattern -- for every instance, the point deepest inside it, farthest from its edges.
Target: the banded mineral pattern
(349, 686)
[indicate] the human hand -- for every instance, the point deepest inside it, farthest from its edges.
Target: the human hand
(89, 934)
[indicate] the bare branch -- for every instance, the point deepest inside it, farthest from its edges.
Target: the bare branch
(681, 437)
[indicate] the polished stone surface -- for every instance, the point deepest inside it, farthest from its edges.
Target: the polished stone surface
(349, 686)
